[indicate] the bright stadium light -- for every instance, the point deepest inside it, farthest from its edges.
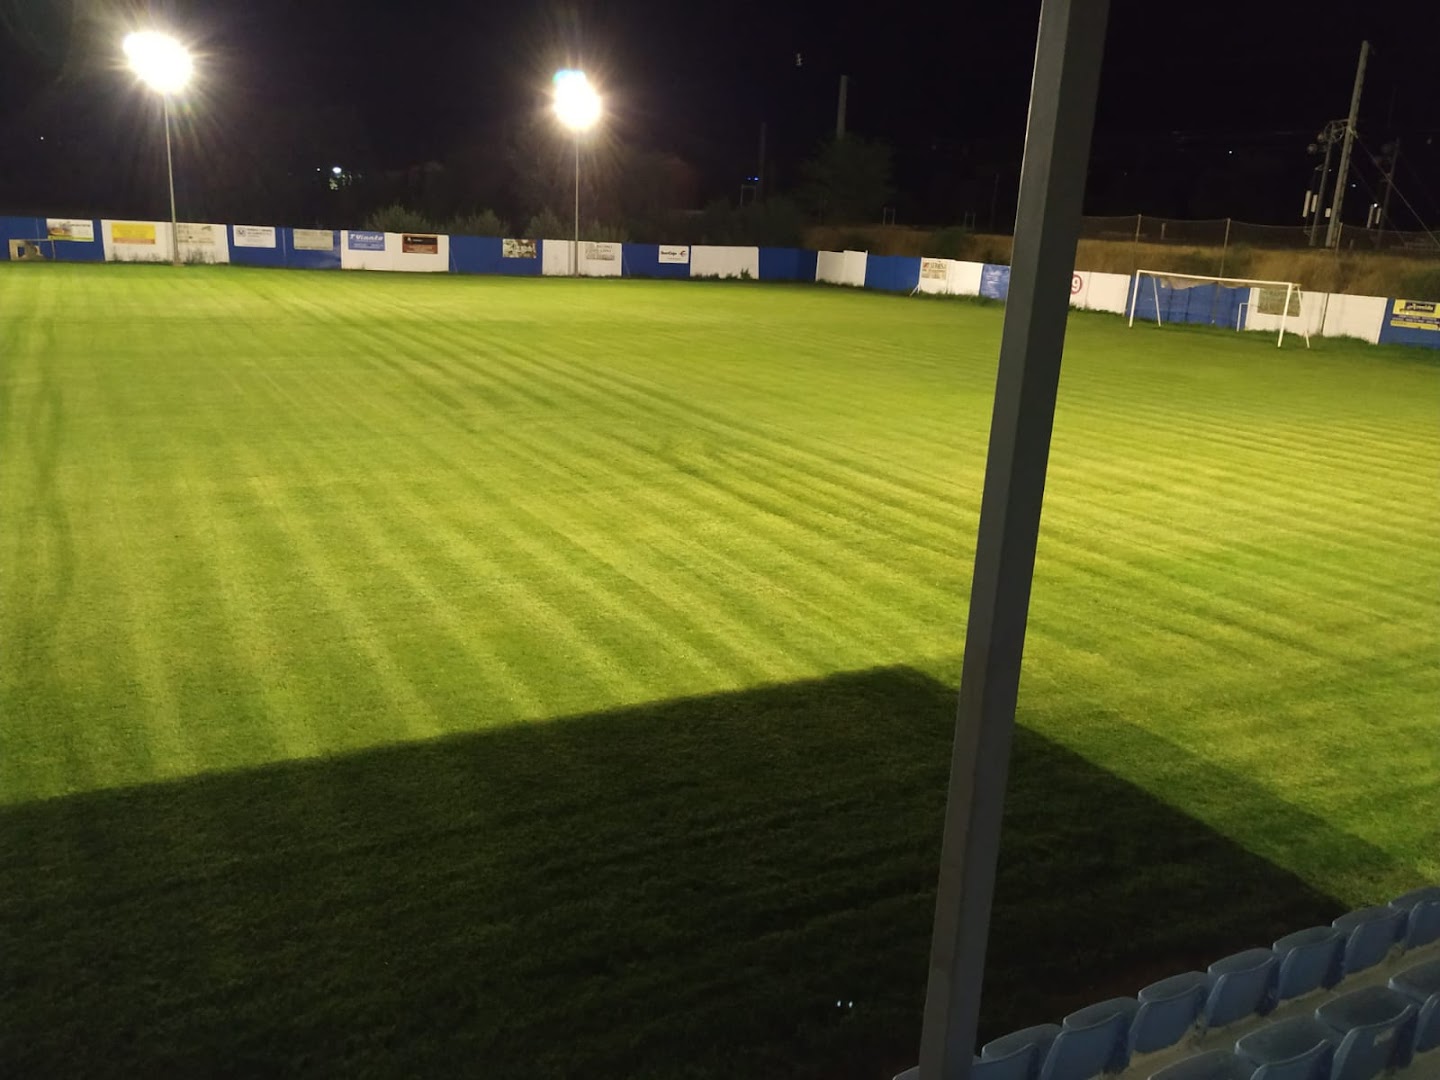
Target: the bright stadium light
(160, 61)
(577, 106)
(165, 66)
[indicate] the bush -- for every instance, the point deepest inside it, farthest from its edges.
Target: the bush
(399, 219)
(853, 240)
(546, 225)
(1422, 284)
(484, 223)
(599, 232)
(948, 243)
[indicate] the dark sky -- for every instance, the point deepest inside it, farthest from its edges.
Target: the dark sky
(1206, 107)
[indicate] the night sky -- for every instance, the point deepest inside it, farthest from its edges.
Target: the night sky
(1206, 108)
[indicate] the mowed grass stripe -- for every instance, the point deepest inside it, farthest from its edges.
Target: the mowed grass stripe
(718, 486)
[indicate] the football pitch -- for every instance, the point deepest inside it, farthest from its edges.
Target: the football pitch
(426, 675)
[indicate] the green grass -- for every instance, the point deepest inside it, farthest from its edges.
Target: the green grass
(414, 675)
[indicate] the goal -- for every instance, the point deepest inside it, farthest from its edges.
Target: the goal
(1238, 303)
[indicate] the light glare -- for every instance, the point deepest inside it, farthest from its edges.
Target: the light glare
(160, 61)
(577, 105)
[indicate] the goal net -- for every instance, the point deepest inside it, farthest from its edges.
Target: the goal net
(1237, 303)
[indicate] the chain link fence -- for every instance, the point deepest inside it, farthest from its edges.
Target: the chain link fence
(1226, 233)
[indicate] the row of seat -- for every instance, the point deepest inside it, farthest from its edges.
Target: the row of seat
(1355, 1036)
(1104, 1038)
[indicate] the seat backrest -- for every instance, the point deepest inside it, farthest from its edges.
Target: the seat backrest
(1240, 985)
(1168, 1010)
(1299, 1048)
(1211, 1065)
(1091, 1041)
(1309, 959)
(1017, 1066)
(1025, 1050)
(1370, 933)
(1376, 1026)
(1423, 924)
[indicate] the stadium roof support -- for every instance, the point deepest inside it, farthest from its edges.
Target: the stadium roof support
(1063, 90)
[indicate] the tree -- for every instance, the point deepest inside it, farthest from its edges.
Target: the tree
(484, 223)
(848, 180)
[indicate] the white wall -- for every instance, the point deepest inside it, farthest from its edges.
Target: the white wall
(135, 249)
(201, 242)
(841, 267)
(725, 262)
(1355, 316)
(395, 257)
(853, 270)
(964, 279)
(596, 259)
(1310, 320)
(1100, 292)
(829, 266)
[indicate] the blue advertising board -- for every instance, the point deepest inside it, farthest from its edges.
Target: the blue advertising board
(365, 240)
(995, 281)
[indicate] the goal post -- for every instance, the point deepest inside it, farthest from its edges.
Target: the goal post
(1218, 301)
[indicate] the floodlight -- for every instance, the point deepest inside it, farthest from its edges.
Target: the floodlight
(336, 169)
(160, 61)
(577, 105)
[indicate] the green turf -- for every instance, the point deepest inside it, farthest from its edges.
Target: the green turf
(679, 570)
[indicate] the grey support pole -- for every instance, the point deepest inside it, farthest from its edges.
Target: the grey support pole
(575, 263)
(170, 174)
(1052, 183)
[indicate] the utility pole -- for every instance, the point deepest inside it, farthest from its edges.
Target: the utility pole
(840, 107)
(1327, 138)
(1391, 161)
(1332, 235)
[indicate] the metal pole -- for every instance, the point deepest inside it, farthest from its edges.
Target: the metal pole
(575, 251)
(1389, 187)
(1332, 236)
(1224, 249)
(1320, 195)
(1063, 90)
(840, 107)
(170, 173)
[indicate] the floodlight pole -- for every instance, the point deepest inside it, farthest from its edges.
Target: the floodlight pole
(1066, 81)
(575, 266)
(170, 173)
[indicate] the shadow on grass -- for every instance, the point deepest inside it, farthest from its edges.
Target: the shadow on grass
(684, 889)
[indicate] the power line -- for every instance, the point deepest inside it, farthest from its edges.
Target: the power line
(1408, 204)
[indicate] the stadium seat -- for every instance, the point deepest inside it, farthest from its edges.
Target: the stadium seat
(1092, 1040)
(1374, 1029)
(1309, 959)
(1212, 1065)
(1240, 986)
(1018, 1055)
(1168, 1010)
(1370, 934)
(1295, 1049)
(1423, 915)
(1421, 984)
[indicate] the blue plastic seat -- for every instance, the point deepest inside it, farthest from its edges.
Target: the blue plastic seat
(1423, 910)
(1168, 1010)
(1421, 984)
(1296, 1049)
(1092, 1040)
(1370, 933)
(1240, 986)
(1309, 959)
(1375, 1028)
(1211, 1065)
(1017, 1056)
